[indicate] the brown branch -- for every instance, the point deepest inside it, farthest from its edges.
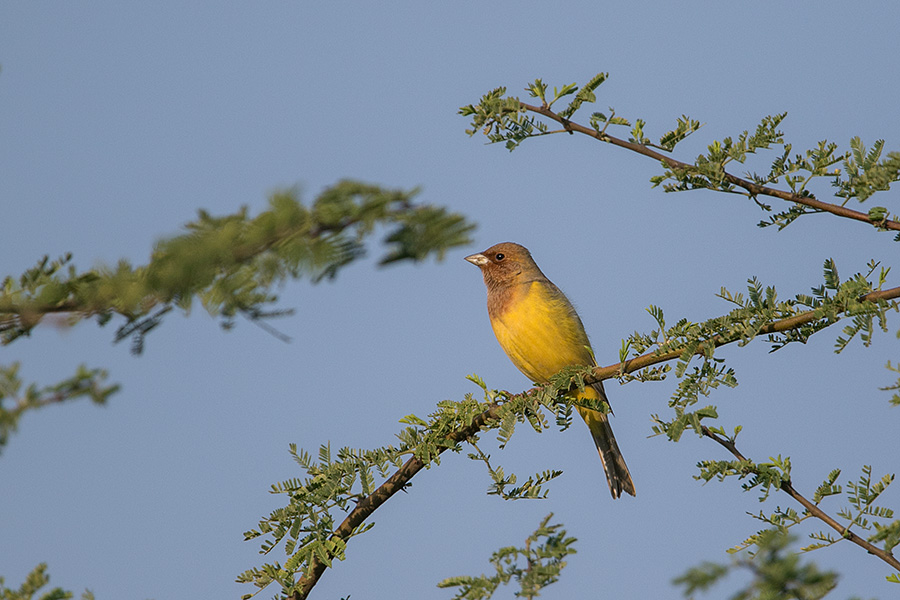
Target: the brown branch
(810, 507)
(652, 358)
(400, 478)
(395, 483)
(753, 189)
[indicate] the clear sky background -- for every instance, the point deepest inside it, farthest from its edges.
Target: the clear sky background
(119, 120)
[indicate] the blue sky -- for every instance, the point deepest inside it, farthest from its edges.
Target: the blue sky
(118, 121)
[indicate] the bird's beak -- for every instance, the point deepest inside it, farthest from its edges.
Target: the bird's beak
(478, 260)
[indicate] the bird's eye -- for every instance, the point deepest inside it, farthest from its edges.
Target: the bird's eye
(500, 256)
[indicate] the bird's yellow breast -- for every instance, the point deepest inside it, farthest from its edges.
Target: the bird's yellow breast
(540, 331)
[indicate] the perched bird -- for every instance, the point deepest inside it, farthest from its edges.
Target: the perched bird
(541, 333)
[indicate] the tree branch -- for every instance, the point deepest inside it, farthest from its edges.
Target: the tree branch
(810, 507)
(395, 483)
(753, 189)
(232, 264)
(400, 478)
(652, 358)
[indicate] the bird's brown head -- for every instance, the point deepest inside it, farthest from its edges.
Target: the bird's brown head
(506, 264)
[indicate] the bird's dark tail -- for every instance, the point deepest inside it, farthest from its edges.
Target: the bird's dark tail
(617, 474)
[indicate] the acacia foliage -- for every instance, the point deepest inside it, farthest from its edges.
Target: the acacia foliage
(312, 533)
(232, 265)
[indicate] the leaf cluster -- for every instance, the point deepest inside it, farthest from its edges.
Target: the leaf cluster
(233, 264)
(753, 315)
(31, 587)
(708, 170)
(334, 485)
(533, 566)
(765, 475)
(16, 398)
(533, 487)
(307, 526)
(502, 119)
(506, 119)
(895, 397)
(776, 573)
(861, 496)
(866, 173)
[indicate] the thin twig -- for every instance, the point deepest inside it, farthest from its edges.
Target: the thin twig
(810, 507)
(652, 358)
(754, 189)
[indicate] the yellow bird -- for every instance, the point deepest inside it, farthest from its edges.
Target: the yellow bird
(541, 333)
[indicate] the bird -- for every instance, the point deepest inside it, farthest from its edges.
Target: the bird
(541, 333)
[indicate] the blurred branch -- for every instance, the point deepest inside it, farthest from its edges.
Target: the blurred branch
(34, 581)
(85, 383)
(232, 264)
(776, 573)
